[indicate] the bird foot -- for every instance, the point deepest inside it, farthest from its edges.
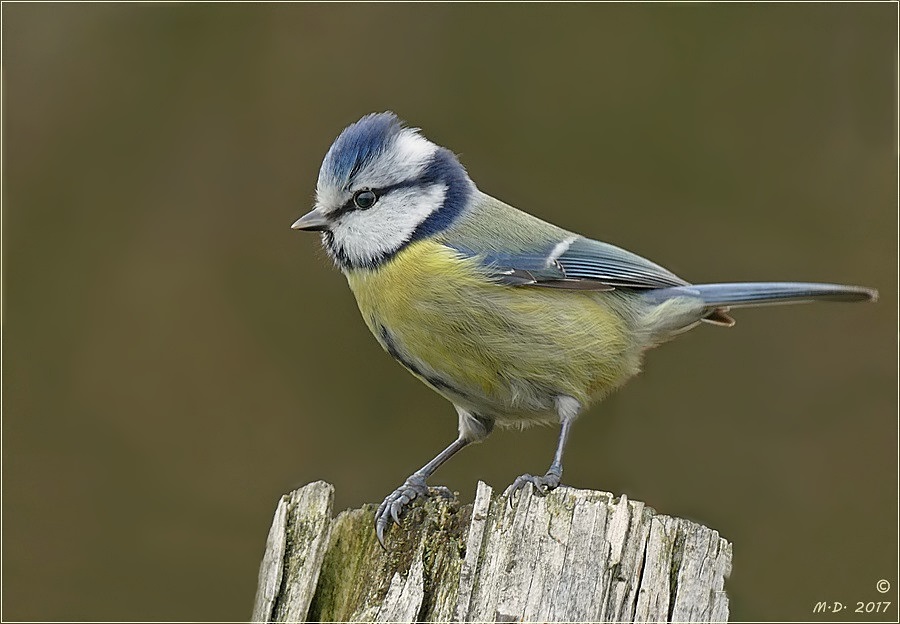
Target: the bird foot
(393, 506)
(542, 485)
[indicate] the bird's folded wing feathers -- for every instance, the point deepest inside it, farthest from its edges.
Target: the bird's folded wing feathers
(518, 249)
(573, 262)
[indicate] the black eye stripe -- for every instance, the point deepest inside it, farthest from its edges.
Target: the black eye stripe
(424, 179)
(350, 205)
(411, 182)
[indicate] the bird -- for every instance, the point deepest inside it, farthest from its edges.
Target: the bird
(513, 320)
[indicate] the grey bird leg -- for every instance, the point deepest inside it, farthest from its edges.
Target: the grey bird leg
(412, 488)
(568, 408)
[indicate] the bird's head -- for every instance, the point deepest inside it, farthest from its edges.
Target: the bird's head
(381, 187)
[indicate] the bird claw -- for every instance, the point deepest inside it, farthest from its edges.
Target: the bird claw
(542, 485)
(393, 506)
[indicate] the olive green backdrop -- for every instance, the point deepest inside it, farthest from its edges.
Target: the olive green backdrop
(176, 357)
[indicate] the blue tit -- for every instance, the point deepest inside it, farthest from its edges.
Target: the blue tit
(513, 320)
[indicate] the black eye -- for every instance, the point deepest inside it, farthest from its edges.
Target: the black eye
(364, 199)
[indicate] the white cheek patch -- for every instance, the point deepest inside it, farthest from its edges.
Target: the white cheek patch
(408, 156)
(366, 236)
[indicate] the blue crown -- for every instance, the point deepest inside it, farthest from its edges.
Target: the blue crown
(358, 145)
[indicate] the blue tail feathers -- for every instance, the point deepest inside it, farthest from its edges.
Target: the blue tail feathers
(765, 293)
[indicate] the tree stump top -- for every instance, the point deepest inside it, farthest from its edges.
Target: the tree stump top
(574, 555)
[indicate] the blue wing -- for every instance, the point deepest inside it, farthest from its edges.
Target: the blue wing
(576, 263)
(519, 249)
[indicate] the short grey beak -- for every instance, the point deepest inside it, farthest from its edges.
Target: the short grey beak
(314, 220)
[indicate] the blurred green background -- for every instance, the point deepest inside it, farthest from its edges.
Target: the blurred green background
(175, 357)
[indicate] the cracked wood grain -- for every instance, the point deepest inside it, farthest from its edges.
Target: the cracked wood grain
(294, 552)
(574, 555)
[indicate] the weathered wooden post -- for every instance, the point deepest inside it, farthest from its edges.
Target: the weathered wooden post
(574, 555)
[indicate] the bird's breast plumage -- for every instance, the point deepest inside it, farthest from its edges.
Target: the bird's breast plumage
(505, 352)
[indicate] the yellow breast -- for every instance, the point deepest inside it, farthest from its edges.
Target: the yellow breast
(500, 350)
